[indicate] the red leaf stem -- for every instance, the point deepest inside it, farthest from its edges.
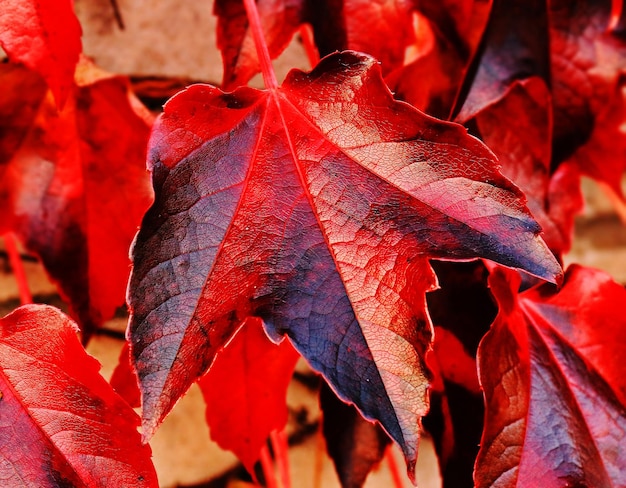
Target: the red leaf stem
(268, 467)
(18, 269)
(281, 454)
(269, 77)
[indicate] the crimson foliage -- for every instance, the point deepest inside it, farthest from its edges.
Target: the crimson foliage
(302, 220)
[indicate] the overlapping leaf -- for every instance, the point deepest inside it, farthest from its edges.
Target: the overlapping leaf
(382, 29)
(245, 392)
(45, 36)
(315, 207)
(518, 128)
(450, 34)
(355, 445)
(73, 183)
(554, 386)
(60, 422)
(514, 47)
(462, 310)
(588, 83)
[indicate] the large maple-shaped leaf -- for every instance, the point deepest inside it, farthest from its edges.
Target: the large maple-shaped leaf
(382, 29)
(518, 129)
(73, 183)
(552, 372)
(61, 424)
(245, 392)
(315, 207)
(45, 36)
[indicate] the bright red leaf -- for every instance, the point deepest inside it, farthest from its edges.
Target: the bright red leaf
(315, 207)
(552, 372)
(73, 184)
(45, 36)
(245, 392)
(382, 29)
(518, 129)
(448, 35)
(280, 18)
(61, 423)
(124, 379)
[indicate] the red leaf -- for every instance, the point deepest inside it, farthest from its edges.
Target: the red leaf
(382, 29)
(124, 379)
(518, 129)
(73, 183)
(60, 422)
(545, 368)
(280, 19)
(455, 420)
(514, 47)
(355, 445)
(45, 36)
(314, 206)
(245, 392)
(588, 66)
(432, 80)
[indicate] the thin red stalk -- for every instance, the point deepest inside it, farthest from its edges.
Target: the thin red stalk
(308, 42)
(616, 13)
(269, 77)
(281, 452)
(268, 468)
(394, 469)
(18, 268)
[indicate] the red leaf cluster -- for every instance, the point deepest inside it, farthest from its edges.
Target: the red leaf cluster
(306, 216)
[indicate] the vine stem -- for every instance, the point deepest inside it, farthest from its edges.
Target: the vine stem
(269, 77)
(17, 265)
(394, 469)
(280, 446)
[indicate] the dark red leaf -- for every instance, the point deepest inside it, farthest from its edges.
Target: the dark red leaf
(462, 310)
(553, 377)
(45, 36)
(73, 183)
(245, 392)
(518, 129)
(61, 424)
(355, 445)
(315, 207)
(382, 29)
(588, 82)
(514, 47)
